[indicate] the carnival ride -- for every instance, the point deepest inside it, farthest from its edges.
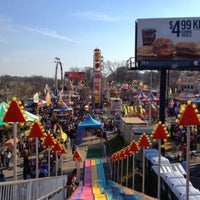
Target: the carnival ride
(57, 88)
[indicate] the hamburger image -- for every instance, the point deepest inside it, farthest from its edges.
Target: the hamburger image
(188, 48)
(163, 47)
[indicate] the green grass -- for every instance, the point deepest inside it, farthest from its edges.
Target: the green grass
(94, 153)
(115, 143)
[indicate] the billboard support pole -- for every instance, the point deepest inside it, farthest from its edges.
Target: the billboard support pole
(162, 94)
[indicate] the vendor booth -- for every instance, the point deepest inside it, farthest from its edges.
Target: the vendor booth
(83, 128)
(127, 124)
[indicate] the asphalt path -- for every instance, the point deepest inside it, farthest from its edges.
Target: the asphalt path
(67, 163)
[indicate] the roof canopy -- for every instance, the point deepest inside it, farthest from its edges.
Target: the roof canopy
(89, 122)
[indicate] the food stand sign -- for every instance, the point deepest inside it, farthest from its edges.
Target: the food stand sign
(168, 43)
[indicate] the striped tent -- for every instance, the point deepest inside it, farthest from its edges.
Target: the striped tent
(140, 95)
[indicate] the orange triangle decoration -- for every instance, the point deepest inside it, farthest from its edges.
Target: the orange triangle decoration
(14, 113)
(77, 156)
(36, 130)
(188, 116)
(160, 132)
(134, 146)
(48, 141)
(144, 141)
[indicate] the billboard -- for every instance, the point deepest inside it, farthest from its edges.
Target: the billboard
(168, 42)
(74, 75)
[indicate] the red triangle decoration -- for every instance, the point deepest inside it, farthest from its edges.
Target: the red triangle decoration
(122, 154)
(118, 155)
(127, 151)
(113, 157)
(62, 151)
(134, 146)
(48, 140)
(188, 115)
(160, 132)
(14, 113)
(36, 130)
(56, 147)
(144, 141)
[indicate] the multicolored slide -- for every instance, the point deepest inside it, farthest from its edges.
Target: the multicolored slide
(95, 186)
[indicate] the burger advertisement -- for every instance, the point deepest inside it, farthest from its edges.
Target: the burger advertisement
(168, 42)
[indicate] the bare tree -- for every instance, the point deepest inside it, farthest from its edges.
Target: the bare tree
(75, 69)
(111, 67)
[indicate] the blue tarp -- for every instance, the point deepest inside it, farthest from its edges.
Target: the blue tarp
(89, 122)
(197, 100)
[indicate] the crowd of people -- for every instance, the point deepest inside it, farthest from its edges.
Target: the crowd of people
(53, 120)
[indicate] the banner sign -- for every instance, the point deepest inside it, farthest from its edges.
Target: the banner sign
(74, 75)
(168, 42)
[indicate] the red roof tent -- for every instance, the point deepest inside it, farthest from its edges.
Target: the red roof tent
(74, 75)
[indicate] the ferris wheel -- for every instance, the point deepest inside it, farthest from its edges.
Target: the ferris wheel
(58, 63)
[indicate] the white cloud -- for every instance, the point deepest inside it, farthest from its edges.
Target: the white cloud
(6, 24)
(50, 33)
(90, 15)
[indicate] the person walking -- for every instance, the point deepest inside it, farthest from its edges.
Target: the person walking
(25, 164)
(7, 157)
(2, 161)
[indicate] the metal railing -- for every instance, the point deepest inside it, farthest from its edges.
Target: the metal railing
(34, 189)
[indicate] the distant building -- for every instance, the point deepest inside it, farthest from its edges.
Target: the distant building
(189, 83)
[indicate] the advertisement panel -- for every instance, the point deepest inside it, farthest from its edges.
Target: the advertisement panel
(74, 75)
(168, 42)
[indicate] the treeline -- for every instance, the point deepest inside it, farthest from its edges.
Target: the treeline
(22, 87)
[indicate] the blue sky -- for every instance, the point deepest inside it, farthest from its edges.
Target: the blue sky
(34, 32)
